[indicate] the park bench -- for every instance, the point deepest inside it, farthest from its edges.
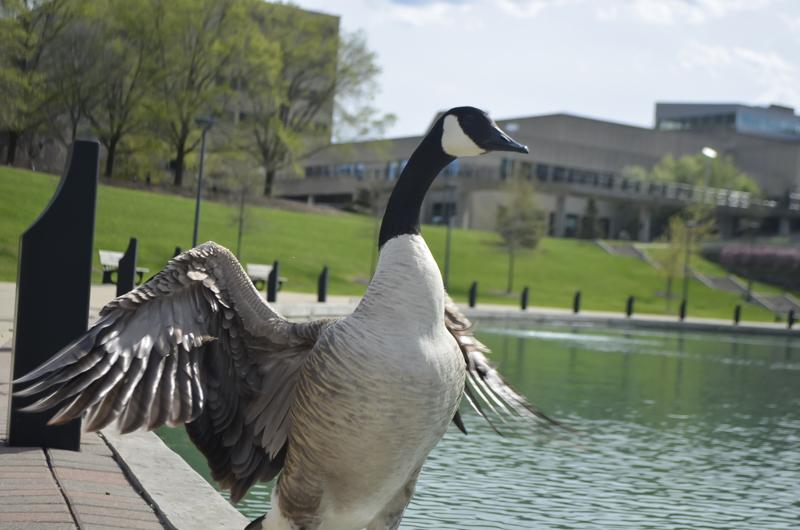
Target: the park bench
(109, 260)
(259, 275)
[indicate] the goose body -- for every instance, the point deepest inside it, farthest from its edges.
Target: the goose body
(359, 375)
(346, 410)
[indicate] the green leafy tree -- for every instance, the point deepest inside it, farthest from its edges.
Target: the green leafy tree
(520, 223)
(74, 71)
(321, 74)
(697, 170)
(127, 70)
(195, 42)
(28, 33)
(685, 232)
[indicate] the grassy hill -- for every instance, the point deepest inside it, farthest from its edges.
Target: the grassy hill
(304, 242)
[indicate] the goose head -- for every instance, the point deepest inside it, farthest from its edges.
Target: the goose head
(467, 131)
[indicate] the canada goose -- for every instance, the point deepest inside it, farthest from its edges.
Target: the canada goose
(347, 409)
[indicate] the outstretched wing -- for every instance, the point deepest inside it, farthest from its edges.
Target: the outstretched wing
(485, 390)
(194, 345)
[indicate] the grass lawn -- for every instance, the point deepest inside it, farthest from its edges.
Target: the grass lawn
(304, 242)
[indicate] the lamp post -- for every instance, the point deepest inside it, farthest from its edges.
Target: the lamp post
(206, 123)
(710, 154)
(450, 206)
(687, 252)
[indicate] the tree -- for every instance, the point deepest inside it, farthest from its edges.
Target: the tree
(669, 262)
(321, 74)
(683, 236)
(28, 31)
(195, 43)
(127, 72)
(239, 178)
(520, 223)
(697, 170)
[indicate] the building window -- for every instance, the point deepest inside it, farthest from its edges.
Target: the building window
(451, 170)
(571, 225)
(542, 172)
(559, 173)
(506, 168)
(524, 170)
(392, 170)
(442, 211)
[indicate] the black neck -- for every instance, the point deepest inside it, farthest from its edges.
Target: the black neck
(405, 202)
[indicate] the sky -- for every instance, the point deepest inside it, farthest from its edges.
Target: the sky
(606, 59)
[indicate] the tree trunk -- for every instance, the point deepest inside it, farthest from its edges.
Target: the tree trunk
(179, 161)
(111, 149)
(241, 224)
(510, 286)
(669, 292)
(11, 154)
(270, 178)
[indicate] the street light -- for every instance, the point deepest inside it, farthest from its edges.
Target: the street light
(710, 154)
(450, 206)
(689, 226)
(206, 122)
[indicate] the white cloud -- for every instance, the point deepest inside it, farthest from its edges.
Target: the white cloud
(667, 12)
(530, 8)
(427, 14)
(777, 78)
(792, 22)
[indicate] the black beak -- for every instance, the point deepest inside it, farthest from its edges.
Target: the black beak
(500, 141)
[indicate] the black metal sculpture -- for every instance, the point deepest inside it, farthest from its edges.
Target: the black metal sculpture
(273, 282)
(322, 285)
(126, 270)
(53, 285)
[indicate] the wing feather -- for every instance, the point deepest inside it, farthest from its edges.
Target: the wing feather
(195, 345)
(484, 388)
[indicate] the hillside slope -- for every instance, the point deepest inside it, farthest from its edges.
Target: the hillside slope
(304, 242)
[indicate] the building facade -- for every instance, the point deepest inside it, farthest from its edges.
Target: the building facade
(578, 168)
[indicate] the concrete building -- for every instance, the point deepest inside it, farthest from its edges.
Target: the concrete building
(575, 161)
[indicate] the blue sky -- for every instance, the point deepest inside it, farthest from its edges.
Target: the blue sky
(608, 59)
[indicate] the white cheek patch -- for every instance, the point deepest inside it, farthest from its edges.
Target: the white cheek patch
(455, 141)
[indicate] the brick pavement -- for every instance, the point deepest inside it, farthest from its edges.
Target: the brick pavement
(53, 489)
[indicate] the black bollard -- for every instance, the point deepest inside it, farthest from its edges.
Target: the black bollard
(682, 311)
(44, 323)
(576, 302)
(737, 314)
(629, 306)
(524, 299)
(177, 251)
(473, 294)
(126, 269)
(322, 285)
(272, 282)
(790, 319)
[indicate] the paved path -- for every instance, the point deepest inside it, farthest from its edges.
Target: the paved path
(56, 489)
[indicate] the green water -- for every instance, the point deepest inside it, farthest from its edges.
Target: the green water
(691, 431)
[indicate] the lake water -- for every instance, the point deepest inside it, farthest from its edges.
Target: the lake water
(675, 431)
